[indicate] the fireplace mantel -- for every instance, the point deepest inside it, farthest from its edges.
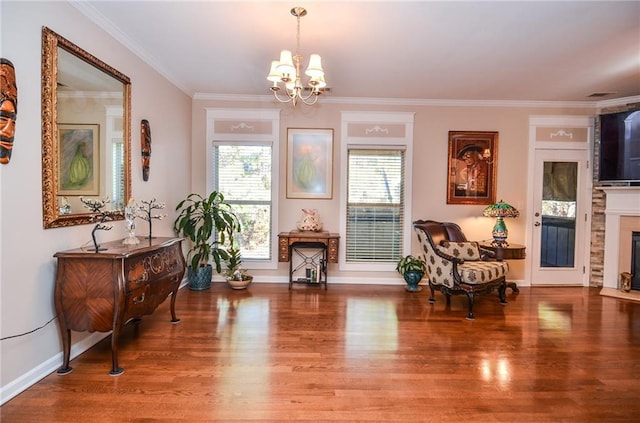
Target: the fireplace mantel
(621, 201)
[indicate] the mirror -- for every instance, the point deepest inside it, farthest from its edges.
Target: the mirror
(86, 133)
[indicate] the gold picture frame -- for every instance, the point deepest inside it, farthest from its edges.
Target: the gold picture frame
(310, 163)
(472, 167)
(78, 159)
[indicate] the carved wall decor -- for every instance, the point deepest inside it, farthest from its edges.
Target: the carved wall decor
(145, 139)
(8, 108)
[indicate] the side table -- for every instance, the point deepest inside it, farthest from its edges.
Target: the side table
(509, 252)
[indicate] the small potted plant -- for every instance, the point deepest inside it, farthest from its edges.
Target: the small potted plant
(210, 224)
(235, 275)
(412, 269)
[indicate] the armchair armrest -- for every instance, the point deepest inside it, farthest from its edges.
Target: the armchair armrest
(486, 254)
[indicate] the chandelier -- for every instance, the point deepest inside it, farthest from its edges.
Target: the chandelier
(286, 72)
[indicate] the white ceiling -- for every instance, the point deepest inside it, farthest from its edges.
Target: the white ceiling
(482, 50)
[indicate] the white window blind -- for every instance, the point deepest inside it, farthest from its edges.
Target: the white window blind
(375, 204)
(118, 175)
(242, 173)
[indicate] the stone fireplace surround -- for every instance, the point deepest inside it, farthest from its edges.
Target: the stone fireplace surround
(622, 214)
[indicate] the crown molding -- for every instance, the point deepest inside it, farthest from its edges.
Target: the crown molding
(409, 101)
(99, 19)
(624, 101)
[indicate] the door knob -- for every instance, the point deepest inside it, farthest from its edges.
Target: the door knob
(536, 224)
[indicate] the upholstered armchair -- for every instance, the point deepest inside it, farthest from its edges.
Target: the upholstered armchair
(455, 266)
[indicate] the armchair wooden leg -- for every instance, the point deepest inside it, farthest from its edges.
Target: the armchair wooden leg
(502, 290)
(432, 299)
(470, 299)
(513, 286)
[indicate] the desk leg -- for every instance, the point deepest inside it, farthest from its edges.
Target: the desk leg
(324, 268)
(290, 266)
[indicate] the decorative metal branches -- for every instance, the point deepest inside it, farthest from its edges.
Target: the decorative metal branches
(145, 210)
(100, 216)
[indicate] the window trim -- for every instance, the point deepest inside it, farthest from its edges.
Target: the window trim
(245, 119)
(377, 120)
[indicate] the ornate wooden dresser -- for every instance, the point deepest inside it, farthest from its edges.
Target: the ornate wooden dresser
(103, 291)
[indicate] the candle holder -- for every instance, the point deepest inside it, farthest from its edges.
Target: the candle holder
(130, 213)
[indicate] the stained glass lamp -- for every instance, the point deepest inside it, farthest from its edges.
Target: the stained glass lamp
(500, 210)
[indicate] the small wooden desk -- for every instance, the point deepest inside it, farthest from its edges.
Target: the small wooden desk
(326, 242)
(510, 252)
(287, 238)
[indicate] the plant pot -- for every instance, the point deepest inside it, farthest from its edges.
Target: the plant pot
(413, 278)
(243, 284)
(200, 279)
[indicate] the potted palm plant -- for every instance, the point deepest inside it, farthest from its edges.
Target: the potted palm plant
(209, 223)
(412, 269)
(235, 275)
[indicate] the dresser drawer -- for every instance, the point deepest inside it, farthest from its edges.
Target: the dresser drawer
(141, 269)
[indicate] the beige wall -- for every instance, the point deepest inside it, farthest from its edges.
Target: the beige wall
(432, 124)
(27, 266)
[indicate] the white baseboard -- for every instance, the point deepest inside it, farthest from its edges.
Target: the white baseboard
(20, 384)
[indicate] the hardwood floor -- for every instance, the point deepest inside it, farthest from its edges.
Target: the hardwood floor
(357, 353)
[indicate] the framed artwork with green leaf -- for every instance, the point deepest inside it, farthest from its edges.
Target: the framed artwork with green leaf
(309, 163)
(79, 159)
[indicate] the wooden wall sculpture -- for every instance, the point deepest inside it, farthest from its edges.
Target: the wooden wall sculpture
(8, 108)
(145, 139)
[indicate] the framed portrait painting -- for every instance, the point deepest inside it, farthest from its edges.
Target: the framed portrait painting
(472, 169)
(78, 159)
(309, 163)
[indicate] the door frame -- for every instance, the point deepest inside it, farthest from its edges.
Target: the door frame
(560, 133)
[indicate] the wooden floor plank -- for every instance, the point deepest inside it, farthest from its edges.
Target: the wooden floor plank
(357, 353)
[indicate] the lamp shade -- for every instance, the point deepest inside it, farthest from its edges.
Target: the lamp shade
(318, 82)
(501, 209)
(274, 75)
(314, 70)
(285, 67)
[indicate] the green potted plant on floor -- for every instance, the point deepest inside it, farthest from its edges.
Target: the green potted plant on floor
(209, 223)
(412, 269)
(235, 275)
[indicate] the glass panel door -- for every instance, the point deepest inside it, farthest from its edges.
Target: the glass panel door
(559, 222)
(558, 217)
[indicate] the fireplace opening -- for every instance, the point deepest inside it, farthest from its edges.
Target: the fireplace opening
(635, 260)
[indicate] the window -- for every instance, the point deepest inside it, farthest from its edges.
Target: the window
(118, 175)
(374, 222)
(242, 164)
(375, 205)
(242, 173)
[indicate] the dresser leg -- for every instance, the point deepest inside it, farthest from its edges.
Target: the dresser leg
(66, 351)
(115, 370)
(174, 319)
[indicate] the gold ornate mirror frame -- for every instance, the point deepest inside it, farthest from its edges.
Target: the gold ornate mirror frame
(55, 202)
